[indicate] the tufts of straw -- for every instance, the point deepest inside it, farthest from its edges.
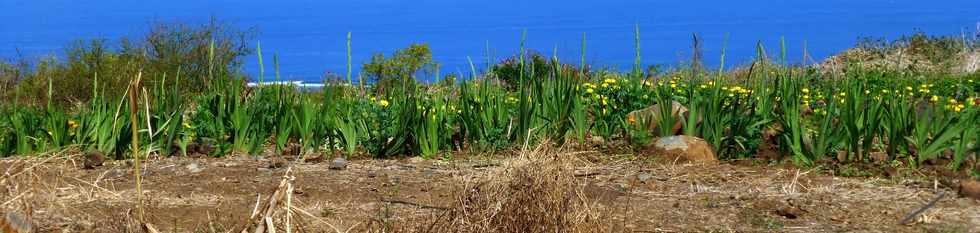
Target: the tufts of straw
(536, 192)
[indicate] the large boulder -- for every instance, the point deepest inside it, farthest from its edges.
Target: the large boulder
(648, 118)
(687, 148)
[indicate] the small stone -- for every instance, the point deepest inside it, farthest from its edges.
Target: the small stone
(416, 159)
(15, 223)
(790, 212)
(970, 188)
(313, 158)
(292, 149)
(879, 157)
(842, 156)
(624, 188)
(428, 173)
(93, 159)
(644, 177)
(194, 168)
(276, 163)
(205, 148)
(338, 163)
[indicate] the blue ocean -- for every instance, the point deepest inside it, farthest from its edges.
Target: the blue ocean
(310, 36)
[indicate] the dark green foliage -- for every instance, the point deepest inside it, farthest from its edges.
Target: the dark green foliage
(166, 50)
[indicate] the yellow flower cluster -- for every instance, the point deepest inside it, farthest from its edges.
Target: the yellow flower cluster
(589, 87)
(739, 90)
(383, 103)
(954, 105)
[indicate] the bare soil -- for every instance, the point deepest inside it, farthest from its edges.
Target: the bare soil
(643, 194)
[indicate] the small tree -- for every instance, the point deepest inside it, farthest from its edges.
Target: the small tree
(401, 67)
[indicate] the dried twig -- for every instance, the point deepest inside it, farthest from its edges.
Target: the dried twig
(911, 216)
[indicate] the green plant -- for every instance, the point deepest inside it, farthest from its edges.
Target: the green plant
(934, 131)
(304, 117)
(967, 139)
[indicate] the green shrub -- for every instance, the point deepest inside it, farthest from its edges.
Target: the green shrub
(390, 73)
(195, 53)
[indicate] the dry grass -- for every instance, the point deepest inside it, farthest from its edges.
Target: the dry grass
(536, 192)
(544, 190)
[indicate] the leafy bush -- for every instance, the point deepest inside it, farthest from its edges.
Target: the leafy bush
(391, 73)
(194, 53)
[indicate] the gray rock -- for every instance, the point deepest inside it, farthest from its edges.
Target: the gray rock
(194, 168)
(644, 177)
(16, 222)
(338, 163)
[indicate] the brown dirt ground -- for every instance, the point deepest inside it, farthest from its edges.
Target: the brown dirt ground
(647, 195)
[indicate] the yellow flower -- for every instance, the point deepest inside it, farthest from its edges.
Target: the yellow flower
(673, 85)
(703, 86)
(373, 99)
(867, 92)
(72, 124)
(609, 80)
(383, 103)
(935, 99)
(605, 85)
(187, 125)
(908, 88)
(806, 91)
